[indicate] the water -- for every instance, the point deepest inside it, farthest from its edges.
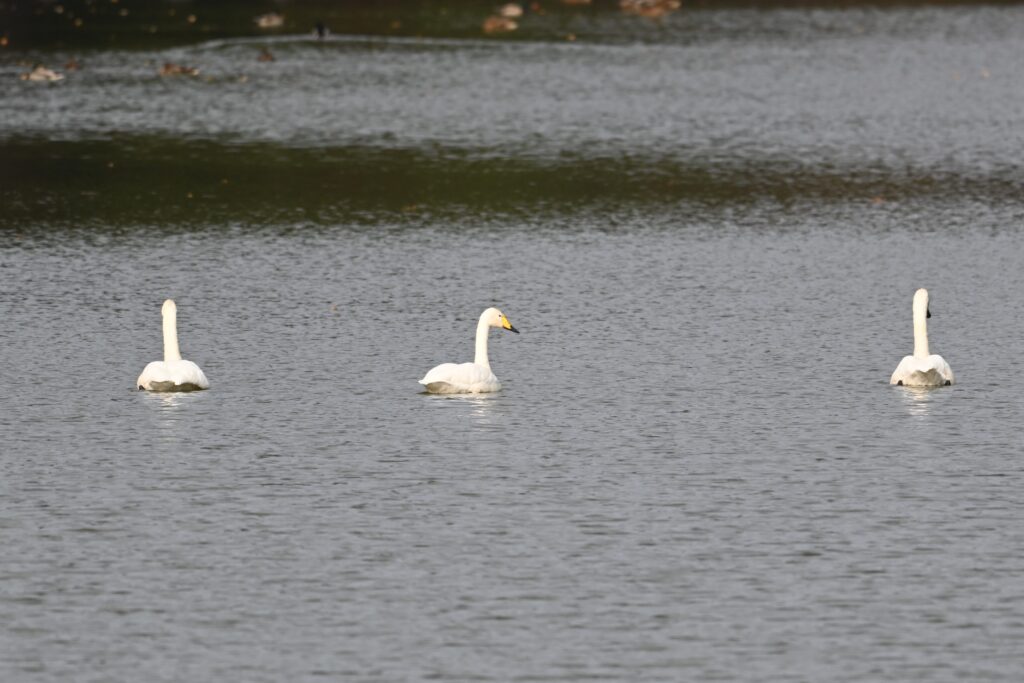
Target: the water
(696, 469)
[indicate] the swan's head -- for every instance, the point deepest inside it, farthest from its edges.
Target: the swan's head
(495, 318)
(169, 308)
(921, 302)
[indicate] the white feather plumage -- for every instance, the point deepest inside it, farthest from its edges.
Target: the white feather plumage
(923, 369)
(172, 373)
(475, 377)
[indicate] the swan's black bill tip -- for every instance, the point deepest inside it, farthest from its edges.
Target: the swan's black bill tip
(513, 329)
(900, 383)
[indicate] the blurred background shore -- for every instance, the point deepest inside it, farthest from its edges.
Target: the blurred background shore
(169, 111)
(142, 24)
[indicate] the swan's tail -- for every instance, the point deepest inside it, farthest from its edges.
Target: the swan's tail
(170, 386)
(930, 378)
(439, 387)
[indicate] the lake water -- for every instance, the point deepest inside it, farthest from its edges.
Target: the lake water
(708, 230)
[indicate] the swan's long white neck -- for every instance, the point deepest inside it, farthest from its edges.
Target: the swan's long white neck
(921, 328)
(482, 328)
(171, 351)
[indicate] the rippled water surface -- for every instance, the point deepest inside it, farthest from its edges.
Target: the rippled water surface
(708, 231)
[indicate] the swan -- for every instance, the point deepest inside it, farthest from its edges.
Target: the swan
(172, 69)
(499, 24)
(511, 10)
(172, 373)
(652, 9)
(922, 369)
(269, 20)
(475, 377)
(42, 74)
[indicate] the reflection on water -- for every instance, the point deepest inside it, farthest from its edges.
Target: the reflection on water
(482, 409)
(167, 400)
(655, 470)
(920, 401)
(169, 410)
(478, 407)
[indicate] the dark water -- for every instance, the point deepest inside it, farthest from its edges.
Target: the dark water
(709, 235)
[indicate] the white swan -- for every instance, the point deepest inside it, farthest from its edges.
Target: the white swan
(172, 373)
(922, 369)
(42, 74)
(475, 377)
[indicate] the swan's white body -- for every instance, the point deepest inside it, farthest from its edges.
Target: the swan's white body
(172, 373)
(922, 369)
(42, 74)
(475, 377)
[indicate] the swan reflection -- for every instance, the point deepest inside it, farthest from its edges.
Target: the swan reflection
(170, 417)
(919, 401)
(479, 407)
(168, 401)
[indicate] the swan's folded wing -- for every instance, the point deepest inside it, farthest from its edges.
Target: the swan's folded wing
(459, 378)
(942, 367)
(922, 372)
(442, 373)
(187, 372)
(153, 372)
(903, 370)
(176, 373)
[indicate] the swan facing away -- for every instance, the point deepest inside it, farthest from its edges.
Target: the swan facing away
(922, 369)
(475, 377)
(172, 373)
